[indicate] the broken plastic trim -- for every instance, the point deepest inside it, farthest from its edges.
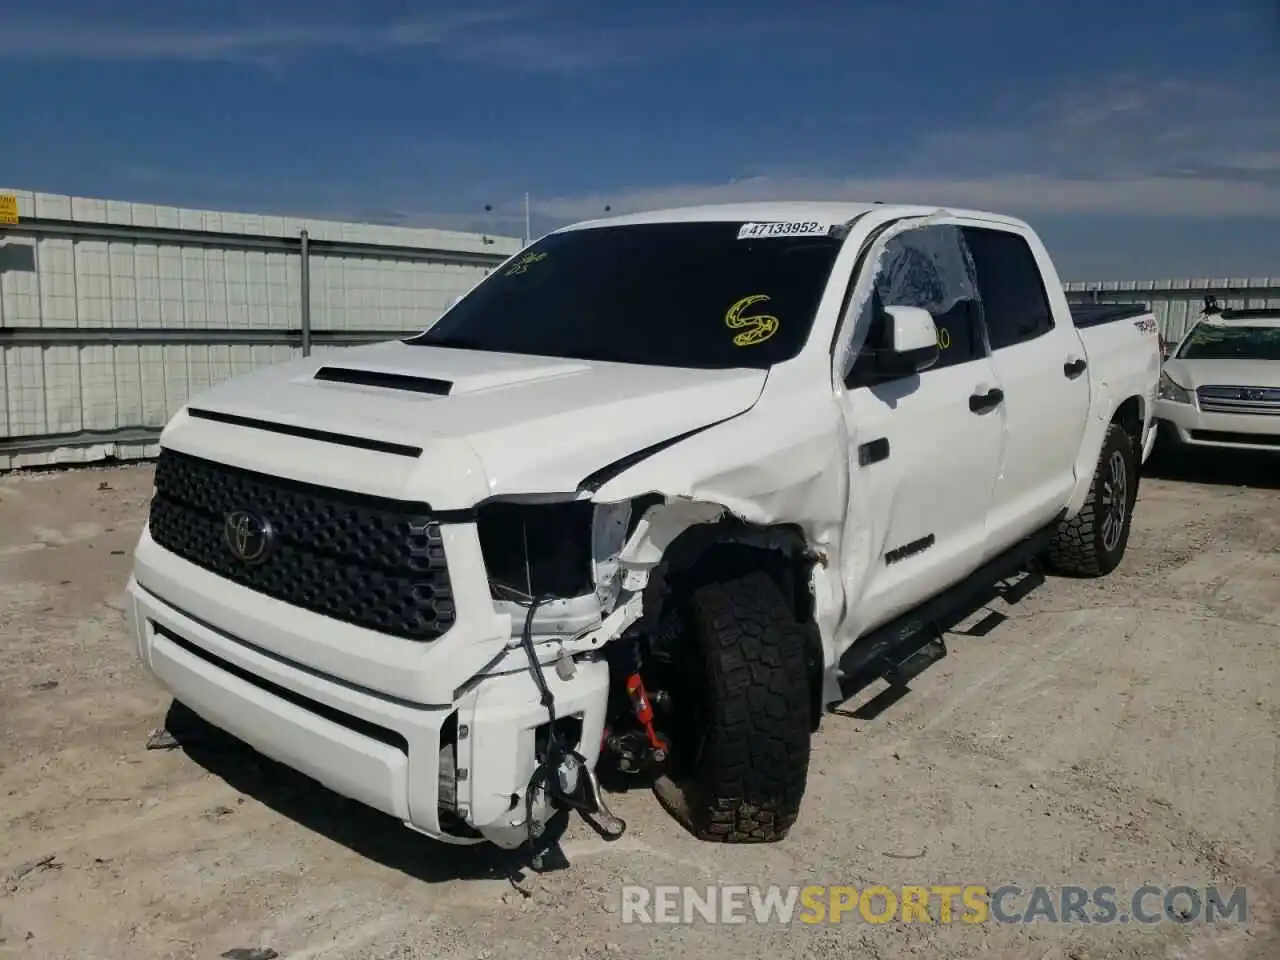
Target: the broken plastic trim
(841, 230)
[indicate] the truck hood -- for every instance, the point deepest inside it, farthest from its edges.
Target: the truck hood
(1228, 373)
(534, 424)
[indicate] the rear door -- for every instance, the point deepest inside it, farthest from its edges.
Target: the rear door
(1040, 364)
(924, 453)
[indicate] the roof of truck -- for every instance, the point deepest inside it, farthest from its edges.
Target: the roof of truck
(774, 211)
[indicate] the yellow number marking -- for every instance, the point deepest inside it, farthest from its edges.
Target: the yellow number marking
(756, 328)
(522, 265)
(944, 338)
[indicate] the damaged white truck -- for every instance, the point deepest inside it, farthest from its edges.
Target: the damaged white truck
(654, 495)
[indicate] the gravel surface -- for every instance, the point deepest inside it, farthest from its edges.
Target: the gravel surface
(1121, 731)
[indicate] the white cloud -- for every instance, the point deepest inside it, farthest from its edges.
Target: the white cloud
(520, 35)
(583, 47)
(254, 42)
(1130, 124)
(1119, 146)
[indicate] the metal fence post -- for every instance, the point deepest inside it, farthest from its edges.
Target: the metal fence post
(304, 298)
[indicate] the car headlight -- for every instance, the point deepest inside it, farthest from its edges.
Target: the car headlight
(1171, 391)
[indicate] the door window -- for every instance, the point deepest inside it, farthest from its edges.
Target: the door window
(928, 268)
(1014, 305)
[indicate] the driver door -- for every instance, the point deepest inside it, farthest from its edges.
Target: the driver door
(925, 449)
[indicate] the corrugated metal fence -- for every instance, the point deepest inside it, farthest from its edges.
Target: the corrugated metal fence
(112, 314)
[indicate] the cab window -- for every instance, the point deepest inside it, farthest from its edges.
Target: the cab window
(1015, 307)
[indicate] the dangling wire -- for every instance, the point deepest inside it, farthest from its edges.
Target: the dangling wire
(554, 753)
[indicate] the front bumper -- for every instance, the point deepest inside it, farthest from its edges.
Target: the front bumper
(1188, 425)
(380, 750)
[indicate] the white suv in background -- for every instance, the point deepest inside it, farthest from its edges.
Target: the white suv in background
(1221, 385)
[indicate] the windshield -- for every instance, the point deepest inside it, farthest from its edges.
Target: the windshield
(1210, 342)
(667, 294)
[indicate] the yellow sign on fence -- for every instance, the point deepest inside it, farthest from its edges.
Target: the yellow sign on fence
(8, 208)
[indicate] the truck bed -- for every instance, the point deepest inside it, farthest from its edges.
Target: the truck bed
(1096, 314)
(1124, 356)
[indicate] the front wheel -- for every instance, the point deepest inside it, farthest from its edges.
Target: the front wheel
(1093, 542)
(747, 750)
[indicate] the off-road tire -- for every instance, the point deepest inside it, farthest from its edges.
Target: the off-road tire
(1093, 542)
(750, 778)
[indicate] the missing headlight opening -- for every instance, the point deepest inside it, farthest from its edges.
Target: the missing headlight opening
(532, 549)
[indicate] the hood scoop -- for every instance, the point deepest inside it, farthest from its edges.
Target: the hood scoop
(386, 381)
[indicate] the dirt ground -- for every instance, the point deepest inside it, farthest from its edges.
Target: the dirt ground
(1121, 731)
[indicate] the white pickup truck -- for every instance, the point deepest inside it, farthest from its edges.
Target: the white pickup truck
(650, 498)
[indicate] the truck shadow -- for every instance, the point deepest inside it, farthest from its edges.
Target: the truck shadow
(361, 829)
(1235, 468)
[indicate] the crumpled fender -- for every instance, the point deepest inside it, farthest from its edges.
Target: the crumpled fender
(777, 464)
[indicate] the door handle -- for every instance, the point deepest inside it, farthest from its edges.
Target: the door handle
(1073, 368)
(982, 402)
(873, 451)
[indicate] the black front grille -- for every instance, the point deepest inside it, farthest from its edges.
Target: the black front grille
(367, 561)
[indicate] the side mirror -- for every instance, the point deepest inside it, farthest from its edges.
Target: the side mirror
(912, 341)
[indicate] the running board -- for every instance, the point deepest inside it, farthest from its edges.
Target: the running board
(904, 671)
(903, 648)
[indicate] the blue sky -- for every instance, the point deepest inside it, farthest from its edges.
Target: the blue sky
(1141, 137)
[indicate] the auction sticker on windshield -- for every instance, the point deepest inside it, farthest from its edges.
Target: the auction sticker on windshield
(784, 228)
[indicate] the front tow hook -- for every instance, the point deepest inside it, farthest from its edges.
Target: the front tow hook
(577, 786)
(610, 826)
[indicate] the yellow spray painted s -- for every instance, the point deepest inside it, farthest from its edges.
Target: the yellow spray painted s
(756, 328)
(522, 265)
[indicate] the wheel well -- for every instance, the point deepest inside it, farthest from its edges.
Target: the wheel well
(709, 550)
(1128, 417)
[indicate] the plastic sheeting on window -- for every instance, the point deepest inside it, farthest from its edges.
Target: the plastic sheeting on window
(929, 268)
(921, 263)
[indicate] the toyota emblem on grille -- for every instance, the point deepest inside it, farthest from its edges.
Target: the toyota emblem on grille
(248, 536)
